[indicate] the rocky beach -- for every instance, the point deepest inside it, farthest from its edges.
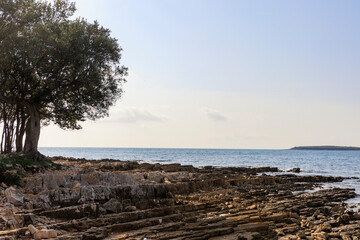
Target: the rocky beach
(108, 199)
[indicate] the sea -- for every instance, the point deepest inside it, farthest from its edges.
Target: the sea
(314, 162)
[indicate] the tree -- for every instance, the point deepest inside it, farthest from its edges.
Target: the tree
(57, 69)
(13, 120)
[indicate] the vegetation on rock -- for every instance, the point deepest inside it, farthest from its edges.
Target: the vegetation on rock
(326, 148)
(13, 167)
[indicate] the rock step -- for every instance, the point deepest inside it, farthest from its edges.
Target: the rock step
(73, 212)
(203, 228)
(131, 220)
(163, 229)
(148, 223)
(13, 232)
(134, 225)
(123, 217)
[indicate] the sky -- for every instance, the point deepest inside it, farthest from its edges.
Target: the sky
(228, 74)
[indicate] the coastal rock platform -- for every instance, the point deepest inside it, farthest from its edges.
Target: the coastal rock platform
(110, 199)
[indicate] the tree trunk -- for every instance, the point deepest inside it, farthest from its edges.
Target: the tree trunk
(20, 129)
(32, 131)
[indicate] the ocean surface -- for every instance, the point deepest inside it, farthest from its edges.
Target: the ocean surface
(328, 163)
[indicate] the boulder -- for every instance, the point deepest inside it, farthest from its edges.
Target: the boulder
(130, 208)
(45, 234)
(53, 181)
(15, 196)
(32, 229)
(113, 206)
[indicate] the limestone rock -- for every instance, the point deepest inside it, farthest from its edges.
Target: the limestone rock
(249, 236)
(52, 181)
(45, 234)
(32, 229)
(113, 206)
(15, 196)
(130, 208)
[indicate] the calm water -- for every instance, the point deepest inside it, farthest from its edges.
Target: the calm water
(333, 163)
(330, 163)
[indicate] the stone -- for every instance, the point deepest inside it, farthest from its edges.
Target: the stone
(32, 229)
(249, 236)
(320, 236)
(113, 206)
(301, 234)
(346, 237)
(19, 219)
(93, 199)
(130, 208)
(15, 196)
(325, 227)
(45, 234)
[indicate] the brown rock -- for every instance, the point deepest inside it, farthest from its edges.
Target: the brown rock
(32, 229)
(15, 196)
(113, 206)
(249, 236)
(45, 234)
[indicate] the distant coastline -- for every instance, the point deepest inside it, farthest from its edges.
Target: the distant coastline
(326, 148)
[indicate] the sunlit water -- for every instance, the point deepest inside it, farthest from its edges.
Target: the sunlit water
(327, 163)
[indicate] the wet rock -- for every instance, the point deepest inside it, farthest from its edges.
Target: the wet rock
(295, 170)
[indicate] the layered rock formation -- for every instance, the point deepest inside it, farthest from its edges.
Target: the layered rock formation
(126, 200)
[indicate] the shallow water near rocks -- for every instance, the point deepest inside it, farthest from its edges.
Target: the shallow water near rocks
(327, 163)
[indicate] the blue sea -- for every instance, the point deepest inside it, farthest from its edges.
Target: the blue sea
(328, 163)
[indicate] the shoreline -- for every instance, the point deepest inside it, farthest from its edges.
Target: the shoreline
(112, 199)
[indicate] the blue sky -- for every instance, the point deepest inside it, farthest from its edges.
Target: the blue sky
(229, 74)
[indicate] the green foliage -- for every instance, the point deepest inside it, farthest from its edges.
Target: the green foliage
(67, 69)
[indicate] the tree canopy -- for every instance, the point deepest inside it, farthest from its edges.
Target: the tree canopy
(55, 68)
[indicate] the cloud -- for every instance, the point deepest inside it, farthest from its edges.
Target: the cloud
(214, 115)
(136, 115)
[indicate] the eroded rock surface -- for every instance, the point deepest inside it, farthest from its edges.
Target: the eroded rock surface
(127, 200)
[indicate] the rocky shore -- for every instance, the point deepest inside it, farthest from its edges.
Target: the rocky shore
(127, 200)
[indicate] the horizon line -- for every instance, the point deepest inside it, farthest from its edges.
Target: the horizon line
(200, 148)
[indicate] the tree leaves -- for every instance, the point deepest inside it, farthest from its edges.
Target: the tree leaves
(68, 69)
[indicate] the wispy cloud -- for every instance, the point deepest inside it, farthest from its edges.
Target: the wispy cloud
(214, 115)
(135, 115)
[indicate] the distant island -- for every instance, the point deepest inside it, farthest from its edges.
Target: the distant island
(327, 148)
